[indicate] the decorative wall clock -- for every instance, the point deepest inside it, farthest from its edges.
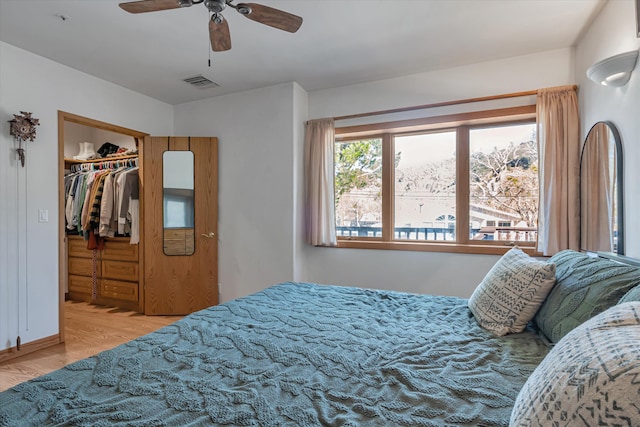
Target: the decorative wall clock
(23, 127)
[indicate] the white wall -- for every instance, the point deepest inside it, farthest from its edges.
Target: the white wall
(257, 139)
(509, 75)
(613, 32)
(28, 248)
(425, 272)
(301, 112)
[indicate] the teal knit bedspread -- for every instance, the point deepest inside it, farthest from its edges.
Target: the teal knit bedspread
(295, 354)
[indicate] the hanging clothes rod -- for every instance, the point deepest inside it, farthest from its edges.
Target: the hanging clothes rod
(105, 164)
(440, 104)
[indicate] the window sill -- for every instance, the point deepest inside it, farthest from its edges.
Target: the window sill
(486, 249)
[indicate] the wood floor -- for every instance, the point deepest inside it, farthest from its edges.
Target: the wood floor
(89, 330)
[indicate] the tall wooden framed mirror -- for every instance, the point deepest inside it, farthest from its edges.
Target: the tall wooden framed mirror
(601, 190)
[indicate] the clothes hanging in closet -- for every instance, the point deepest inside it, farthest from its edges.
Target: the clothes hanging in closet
(104, 202)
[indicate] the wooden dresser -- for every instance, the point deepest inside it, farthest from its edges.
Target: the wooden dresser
(117, 273)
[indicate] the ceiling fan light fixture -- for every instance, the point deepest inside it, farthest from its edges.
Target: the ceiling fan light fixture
(219, 35)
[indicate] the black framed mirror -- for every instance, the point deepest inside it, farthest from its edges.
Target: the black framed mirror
(178, 202)
(602, 191)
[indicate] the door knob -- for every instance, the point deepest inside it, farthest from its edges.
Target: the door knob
(211, 235)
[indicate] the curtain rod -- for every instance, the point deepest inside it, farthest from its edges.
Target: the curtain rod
(441, 104)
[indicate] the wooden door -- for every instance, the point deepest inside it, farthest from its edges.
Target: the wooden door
(180, 284)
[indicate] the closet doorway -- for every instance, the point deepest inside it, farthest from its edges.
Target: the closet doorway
(73, 133)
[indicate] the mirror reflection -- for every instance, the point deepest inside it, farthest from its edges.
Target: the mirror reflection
(601, 224)
(177, 201)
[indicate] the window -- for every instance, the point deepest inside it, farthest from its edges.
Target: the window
(425, 186)
(358, 187)
(468, 186)
(503, 175)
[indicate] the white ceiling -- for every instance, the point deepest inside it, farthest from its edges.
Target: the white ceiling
(341, 42)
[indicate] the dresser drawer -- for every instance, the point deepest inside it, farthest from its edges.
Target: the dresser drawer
(120, 270)
(77, 247)
(80, 284)
(120, 250)
(119, 290)
(83, 266)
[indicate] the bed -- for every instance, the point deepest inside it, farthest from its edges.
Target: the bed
(298, 354)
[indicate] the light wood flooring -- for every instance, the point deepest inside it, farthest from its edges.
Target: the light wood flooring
(89, 329)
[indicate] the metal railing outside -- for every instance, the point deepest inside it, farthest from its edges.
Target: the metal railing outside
(525, 234)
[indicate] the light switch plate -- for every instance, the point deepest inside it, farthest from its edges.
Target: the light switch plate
(43, 215)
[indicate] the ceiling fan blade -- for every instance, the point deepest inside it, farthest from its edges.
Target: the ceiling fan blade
(219, 35)
(142, 6)
(273, 17)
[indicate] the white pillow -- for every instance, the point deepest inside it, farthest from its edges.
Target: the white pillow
(511, 293)
(590, 378)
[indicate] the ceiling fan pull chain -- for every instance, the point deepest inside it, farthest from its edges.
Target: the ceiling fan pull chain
(208, 48)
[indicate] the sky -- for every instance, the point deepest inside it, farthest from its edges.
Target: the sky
(441, 145)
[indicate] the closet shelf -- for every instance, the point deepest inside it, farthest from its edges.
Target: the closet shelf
(103, 159)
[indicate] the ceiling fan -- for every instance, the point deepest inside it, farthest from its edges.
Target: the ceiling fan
(218, 26)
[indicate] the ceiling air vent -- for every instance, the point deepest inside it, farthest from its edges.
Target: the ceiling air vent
(201, 82)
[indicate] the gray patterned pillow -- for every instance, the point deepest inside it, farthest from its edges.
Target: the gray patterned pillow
(510, 294)
(585, 286)
(589, 377)
(632, 295)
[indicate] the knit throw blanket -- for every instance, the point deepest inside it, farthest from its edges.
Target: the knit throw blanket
(295, 354)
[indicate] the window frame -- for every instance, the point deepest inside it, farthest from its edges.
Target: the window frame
(461, 123)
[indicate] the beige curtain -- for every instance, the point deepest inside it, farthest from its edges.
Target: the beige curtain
(559, 169)
(319, 191)
(596, 187)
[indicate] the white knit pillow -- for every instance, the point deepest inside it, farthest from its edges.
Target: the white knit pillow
(590, 378)
(511, 293)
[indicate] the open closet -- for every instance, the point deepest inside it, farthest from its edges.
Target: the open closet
(138, 218)
(104, 270)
